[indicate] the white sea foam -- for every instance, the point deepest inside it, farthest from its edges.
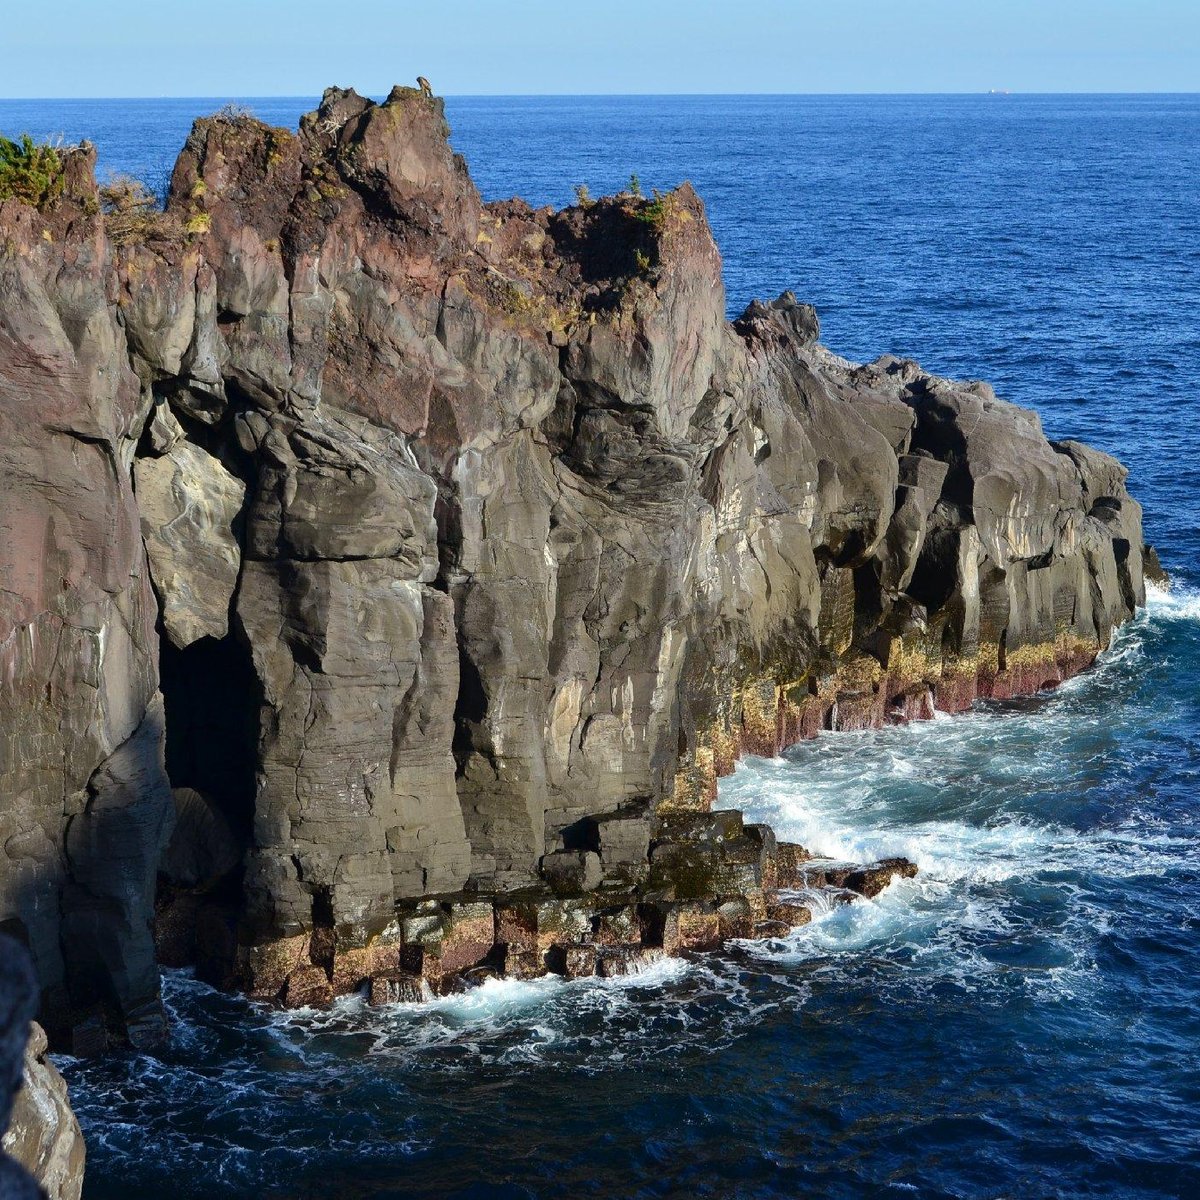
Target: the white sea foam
(1177, 601)
(508, 1021)
(976, 800)
(994, 808)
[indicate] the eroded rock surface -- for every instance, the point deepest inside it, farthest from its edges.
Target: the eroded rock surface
(188, 503)
(480, 545)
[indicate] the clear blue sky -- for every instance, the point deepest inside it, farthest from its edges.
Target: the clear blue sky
(297, 47)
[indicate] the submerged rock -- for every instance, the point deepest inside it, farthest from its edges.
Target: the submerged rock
(474, 546)
(870, 880)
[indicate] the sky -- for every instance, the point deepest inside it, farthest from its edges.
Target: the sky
(235, 48)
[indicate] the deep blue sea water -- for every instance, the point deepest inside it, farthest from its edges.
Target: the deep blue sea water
(1021, 1020)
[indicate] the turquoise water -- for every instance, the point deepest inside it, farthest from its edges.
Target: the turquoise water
(1023, 1018)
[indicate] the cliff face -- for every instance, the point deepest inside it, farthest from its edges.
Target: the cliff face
(429, 548)
(85, 804)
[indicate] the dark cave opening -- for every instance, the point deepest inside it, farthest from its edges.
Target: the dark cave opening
(1124, 576)
(470, 708)
(212, 700)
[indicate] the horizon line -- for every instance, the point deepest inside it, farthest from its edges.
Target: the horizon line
(1003, 93)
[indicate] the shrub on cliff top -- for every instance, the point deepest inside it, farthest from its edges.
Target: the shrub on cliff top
(30, 171)
(231, 112)
(656, 213)
(131, 210)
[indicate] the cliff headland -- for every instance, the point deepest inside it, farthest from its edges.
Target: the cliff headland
(388, 577)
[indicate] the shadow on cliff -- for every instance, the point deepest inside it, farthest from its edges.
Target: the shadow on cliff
(86, 915)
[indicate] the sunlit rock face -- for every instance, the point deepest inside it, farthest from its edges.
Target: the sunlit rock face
(445, 551)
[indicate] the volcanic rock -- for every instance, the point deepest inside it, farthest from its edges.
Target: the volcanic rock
(870, 880)
(202, 849)
(453, 550)
(188, 503)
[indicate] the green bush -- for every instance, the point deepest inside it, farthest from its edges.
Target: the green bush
(656, 213)
(30, 171)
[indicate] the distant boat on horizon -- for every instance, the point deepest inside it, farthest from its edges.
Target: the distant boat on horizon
(999, 92)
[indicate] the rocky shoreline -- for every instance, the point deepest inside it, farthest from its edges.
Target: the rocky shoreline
(609, 910)
(389, 577)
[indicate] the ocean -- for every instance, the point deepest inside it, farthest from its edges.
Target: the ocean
(1020, 1020)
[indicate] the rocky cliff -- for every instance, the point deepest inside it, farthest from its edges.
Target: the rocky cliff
(423, 563)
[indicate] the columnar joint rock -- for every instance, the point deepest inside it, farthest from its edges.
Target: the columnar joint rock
(426, 551)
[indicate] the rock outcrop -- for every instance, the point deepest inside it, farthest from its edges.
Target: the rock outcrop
(41, 1147)
(448, 553)
(18, 1002)
(43, 1134)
